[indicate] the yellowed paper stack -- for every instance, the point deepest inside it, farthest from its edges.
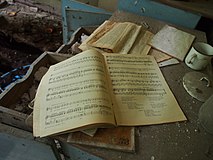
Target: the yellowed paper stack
(115, 37)
(129, 38)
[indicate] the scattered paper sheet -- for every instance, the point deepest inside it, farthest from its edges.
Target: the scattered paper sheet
(159, 56)
(162, 59)
(90, 132)
(169, 62)
(173, 42)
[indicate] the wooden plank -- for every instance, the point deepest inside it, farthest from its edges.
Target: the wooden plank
(14, 118)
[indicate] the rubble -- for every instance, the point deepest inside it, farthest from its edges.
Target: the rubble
(25, 33)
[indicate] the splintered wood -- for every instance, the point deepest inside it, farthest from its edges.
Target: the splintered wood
(173, 42)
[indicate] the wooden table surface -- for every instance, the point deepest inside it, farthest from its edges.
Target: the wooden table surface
(174, 141)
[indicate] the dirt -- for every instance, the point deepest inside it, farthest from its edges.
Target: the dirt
(25, 33)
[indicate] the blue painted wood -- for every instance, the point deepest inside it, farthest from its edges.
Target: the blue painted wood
(72, 4)
(78, 18)
(160, 11)
(87, 13)
(13, 148)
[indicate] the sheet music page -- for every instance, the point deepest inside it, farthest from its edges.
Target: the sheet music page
(142, 96)
(74, 93)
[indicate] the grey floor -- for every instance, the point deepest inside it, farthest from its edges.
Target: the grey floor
(16, 144)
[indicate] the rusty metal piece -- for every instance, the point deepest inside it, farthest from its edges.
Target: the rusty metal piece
(198, 85)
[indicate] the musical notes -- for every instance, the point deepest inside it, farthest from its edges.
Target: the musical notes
(140, 90)
(129, 79)
(87, 89)
(57, 118)
(136, 83)
(76, 89)
(71, 90)
(75, 73)
(128, 60)
(74, 62)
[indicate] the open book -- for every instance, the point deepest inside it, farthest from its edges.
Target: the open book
(101, 90)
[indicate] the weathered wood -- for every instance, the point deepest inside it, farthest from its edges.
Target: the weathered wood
(14, 118)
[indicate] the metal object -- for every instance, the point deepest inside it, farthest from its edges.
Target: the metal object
(58, 150)
(160, 11)
(76, 14)
(206, 115)
(198, 85)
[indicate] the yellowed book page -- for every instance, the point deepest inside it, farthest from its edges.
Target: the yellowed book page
(74, 93)
(142, 96)
(36, 117)
(119, 39)
(159, 56)
(173, 41)
(115, 37)
(99, 32)
(140, 46)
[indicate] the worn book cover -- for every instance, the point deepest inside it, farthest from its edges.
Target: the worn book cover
(118, 138)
